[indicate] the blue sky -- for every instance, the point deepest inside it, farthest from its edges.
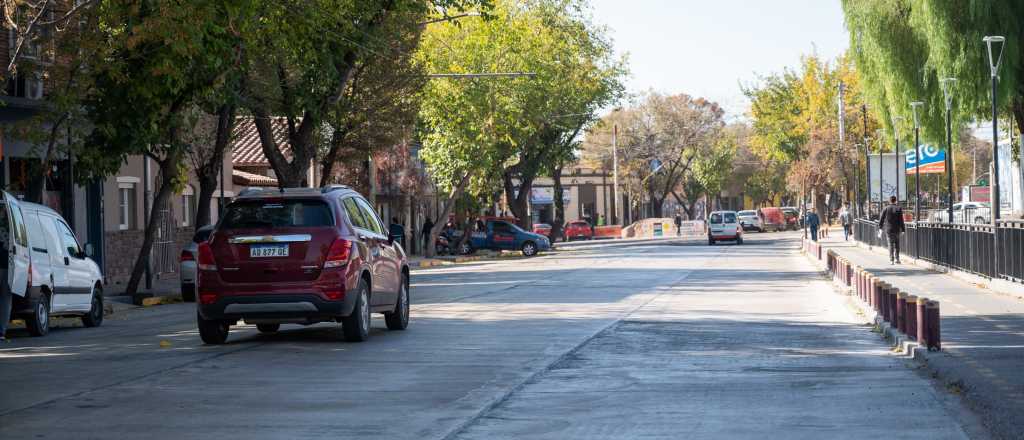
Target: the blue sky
(707, 47)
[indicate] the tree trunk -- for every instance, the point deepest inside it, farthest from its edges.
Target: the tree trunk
(169, 170)
(442, 217)
(37, 181)
(518, 203)
(209, 173)
(556, 229)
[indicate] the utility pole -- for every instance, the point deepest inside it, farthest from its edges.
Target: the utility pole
(842, 136)
(896, 149)
(867, 163)
(615, 174)
(947, 94)
(993, 177)
(917, 164)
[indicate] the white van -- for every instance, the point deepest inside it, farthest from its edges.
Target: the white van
(723, 225)
(49, 272)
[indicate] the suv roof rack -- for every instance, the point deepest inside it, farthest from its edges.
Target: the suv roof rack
(333, 187)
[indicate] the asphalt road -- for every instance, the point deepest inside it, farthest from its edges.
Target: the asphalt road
(657, 340)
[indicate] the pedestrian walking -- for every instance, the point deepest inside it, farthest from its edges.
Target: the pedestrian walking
(891, 222)
(846, 220)
(5, 290)
(397, 232)
(679, 224)
(813, 222)
(428, 225)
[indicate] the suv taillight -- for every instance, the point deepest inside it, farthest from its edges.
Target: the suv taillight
(186, 256)
(338, 254)
(206, 261)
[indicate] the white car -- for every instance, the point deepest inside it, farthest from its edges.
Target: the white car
(724, 225)
(49, 272)
(187, 263)
(750, 221)
(966, 212)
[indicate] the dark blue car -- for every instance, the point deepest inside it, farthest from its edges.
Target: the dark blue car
(502, 235)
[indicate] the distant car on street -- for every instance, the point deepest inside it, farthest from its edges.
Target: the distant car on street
(724, 226)
(773, 219)
(502, 235)
(792, 216)
(965, 212)
(300, 256)
(578, 230)
(187, 263)
(543, 229)
(750, 220)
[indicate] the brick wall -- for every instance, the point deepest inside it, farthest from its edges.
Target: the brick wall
(122, 247)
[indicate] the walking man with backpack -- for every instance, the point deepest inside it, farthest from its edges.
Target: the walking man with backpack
(891, 222)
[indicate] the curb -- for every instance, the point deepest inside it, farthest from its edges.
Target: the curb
(159, 300)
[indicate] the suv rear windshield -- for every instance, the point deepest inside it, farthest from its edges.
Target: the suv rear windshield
(277, 214)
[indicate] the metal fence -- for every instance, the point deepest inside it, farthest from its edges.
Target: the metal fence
(962, 246)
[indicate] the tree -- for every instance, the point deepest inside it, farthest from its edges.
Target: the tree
(659, 139)
(906, 46)
(563, 97)
(158, 61)
(309, 51)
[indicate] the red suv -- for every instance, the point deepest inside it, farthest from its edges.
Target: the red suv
(300, 256)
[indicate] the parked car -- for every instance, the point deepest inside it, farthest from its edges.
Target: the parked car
(543, 229)
(578, 230)
(502, 235)
(50, 274)
(301, 256)
(724, 226)
(773, 219)
(792, 216)
(187, 263)
(750, 221)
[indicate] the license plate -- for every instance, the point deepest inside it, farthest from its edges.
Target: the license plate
(268, 250)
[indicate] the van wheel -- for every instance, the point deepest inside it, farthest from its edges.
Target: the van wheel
(213, 332)
(356, 326)
(739, 240)
(95, 316)
(529, 249)
(268, 328)
(38, 323)
(399, 319)
(711, 242)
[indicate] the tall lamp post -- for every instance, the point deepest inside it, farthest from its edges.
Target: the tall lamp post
(867, 163)
(881, 169)
(917, 160)
(994, 62)
(947, 95)
(896, 149)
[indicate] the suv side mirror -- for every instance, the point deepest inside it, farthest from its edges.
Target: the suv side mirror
(88, 250)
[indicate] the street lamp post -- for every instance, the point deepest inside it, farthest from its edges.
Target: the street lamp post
(896, 149)
(947, 95)
(917, 160)
(994, 63)
(615, 175)
(881, 169)
(917, 174)
(867, 163)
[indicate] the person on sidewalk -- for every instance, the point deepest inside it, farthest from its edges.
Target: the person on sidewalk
(846, 220)
(397, 231)
(679, 223)
(813, 222)
(428, 224)
(891, 221)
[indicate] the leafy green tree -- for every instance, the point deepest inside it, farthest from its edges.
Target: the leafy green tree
(903, 48)
(157, 61)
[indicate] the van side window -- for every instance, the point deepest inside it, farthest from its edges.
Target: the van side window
(20, 236)
(67, 239)
(35, 232)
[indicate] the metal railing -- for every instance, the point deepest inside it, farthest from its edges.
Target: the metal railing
(961, 246)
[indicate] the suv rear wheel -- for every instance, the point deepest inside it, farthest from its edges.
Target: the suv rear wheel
(399, 319)
(356, 326)
(213, 332)
(268, 328)
(95, 316)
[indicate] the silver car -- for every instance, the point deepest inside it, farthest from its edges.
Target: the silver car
(188, 263)
(750, 221)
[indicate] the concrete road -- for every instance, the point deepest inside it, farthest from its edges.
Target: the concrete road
(656, 340)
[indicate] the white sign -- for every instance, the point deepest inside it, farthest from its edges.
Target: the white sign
(891, 171)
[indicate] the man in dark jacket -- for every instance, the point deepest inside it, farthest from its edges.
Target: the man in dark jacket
(891, 222)
(813, 222)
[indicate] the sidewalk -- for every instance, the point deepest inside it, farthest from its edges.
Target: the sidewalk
(982, 334)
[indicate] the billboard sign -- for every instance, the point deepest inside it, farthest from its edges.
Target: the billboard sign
(933, 160)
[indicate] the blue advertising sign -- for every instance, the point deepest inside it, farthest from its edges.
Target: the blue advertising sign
(932, 160)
